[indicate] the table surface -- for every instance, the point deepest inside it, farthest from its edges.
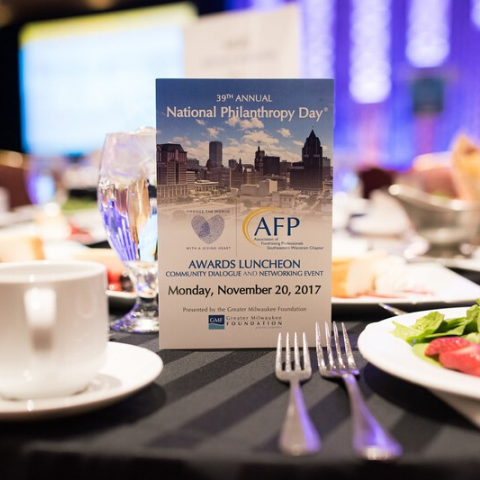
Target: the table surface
(217, 415)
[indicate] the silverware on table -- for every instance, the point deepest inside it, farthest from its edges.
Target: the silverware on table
(391, 309)
(370, 440)
(298, 435)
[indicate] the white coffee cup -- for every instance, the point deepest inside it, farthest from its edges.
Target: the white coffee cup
(53, 327)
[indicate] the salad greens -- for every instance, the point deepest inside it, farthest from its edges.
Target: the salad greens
(435, 325)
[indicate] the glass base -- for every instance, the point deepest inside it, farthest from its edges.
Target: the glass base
(142, 318)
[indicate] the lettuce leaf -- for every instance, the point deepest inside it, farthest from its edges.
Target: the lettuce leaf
(419, 350)
(434, 325)
(423, 327)
(473, 337)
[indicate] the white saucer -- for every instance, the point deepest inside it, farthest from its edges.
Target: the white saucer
(127, 369)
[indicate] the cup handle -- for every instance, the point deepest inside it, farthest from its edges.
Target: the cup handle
(40, 309)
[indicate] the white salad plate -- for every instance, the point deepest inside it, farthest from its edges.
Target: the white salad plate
(395, 356)
(431, 282)
(127, 369)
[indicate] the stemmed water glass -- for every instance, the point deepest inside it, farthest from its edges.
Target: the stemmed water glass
(127, 202)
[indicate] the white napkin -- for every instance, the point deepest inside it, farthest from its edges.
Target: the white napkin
(468, 407)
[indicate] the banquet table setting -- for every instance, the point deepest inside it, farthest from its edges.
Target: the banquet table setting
(240, 240)
(218, 413)
(359, 402)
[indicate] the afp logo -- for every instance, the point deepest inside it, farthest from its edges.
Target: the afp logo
(268, 222)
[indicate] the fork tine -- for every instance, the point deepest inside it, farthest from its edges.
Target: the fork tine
(296, 352)
(338, 348)
(318, 337)
(329, 347)
(306, 355)
(348, 349)
(288, 359)
(278, 358)
(318, 346)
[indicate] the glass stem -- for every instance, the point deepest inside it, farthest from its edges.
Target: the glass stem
(146, 304)
(144, 278)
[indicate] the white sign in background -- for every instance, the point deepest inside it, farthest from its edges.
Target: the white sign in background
(245, 44)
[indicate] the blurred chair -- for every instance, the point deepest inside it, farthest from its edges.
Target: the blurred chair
(13, 171)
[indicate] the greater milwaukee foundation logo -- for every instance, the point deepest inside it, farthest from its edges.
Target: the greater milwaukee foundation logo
(208, 230)
(216, 322)
(264, 225)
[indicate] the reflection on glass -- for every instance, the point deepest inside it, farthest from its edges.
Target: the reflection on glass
(127, 202)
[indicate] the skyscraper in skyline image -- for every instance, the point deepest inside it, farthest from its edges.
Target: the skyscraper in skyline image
(215, 154)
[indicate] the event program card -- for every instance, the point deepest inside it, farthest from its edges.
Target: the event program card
(244, 188)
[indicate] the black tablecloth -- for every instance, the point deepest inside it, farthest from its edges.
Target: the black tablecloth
(217, 415)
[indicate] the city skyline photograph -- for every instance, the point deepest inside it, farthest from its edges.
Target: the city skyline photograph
(277, 123)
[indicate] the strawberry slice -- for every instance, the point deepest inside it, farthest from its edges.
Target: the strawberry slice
(446, 344)
(466, 360)
(456, 353)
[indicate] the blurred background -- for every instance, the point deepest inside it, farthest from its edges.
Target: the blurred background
(406, 71)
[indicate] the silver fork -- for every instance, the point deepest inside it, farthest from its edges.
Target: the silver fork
(298, 435)
(370, 440)
(394, 310)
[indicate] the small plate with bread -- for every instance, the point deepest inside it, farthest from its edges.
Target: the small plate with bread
(375, 277)
(24, 245)
(120, 290)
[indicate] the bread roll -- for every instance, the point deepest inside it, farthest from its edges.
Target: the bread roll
(21, 248)
(353, 276)
(102, 255)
